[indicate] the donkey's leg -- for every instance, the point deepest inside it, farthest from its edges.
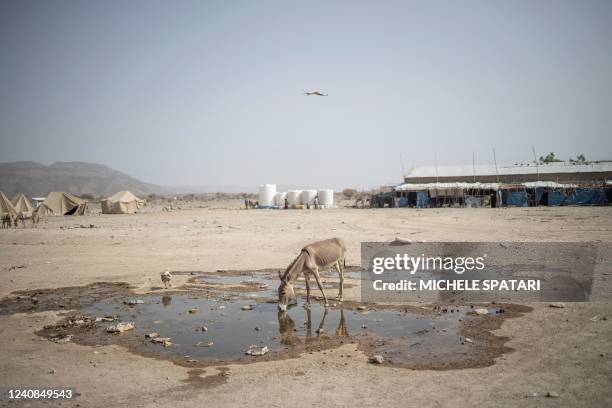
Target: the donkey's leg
(307, 282)
(315, 272)
(341, 273)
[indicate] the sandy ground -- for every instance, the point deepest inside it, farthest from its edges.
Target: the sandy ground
(563, 351)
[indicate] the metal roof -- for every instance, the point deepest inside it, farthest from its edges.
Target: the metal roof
(507, 169)
(428, 186)
(478, 186)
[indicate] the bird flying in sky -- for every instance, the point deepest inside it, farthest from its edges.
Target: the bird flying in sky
(314, 93)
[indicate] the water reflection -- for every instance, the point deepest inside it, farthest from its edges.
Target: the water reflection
(289, 332)
(167, 300)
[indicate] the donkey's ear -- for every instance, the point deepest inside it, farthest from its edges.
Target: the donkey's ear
(280, 275)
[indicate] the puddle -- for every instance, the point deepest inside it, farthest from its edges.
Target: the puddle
(211, 327)
(254, 284)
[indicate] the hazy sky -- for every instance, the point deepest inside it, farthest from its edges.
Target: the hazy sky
(210, 92)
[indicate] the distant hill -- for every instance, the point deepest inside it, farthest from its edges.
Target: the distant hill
(36, 180)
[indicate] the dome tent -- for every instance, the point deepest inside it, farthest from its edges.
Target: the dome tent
(22, 203)
(123, 202)
(59, 203)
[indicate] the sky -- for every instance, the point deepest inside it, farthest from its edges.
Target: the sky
(211, 92)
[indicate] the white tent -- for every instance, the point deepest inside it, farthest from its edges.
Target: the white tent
(59, 203)
(123, 202)
(22, 203)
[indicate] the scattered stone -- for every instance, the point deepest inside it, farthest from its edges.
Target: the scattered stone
(481, 311)
(552, 394)
(61, 339)
(160, 339)
(105, 319)
(377, 359)
(152, 335)
(132, 302)
(557, 305)
(52, 371)
(192, 311)
(205, 344)
(468, 340)
(257, 328)
(120, 327)
(255, 350)
(167, 343)
(204, 328)
(247, 307)
(363, 326)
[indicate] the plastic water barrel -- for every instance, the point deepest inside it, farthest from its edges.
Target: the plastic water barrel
(308, 197)
(293, 197)
(326, 198)
(279, 199)
(266, 194)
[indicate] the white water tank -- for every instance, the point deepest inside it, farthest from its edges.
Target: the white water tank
(293, 197)
(266, 194)
(308, 197)
(279, 199)
(326, 198)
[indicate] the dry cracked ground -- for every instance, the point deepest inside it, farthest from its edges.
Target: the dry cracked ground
(563, 352)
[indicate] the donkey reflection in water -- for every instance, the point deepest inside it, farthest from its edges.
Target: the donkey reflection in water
(290, 336)
(314, 257)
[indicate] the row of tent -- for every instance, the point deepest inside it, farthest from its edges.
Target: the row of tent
(528, 194)
(20, 203)
(60, 203)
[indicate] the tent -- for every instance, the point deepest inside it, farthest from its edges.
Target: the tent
(6, 206)
(422, 199)
(58, 203)
(587, 196)
(515, 198)
(22, 203)
(556, 197)
(123, 202)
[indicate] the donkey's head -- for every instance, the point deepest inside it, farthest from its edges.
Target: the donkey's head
(286, 293)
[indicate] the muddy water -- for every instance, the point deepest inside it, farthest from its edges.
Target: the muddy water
(211, 325)
(402, 337)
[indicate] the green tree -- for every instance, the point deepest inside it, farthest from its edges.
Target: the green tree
(579, 159)
(550, 158)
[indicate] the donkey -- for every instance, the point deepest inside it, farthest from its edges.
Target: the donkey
(25, 215)
(319, 255)
(7, 220)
